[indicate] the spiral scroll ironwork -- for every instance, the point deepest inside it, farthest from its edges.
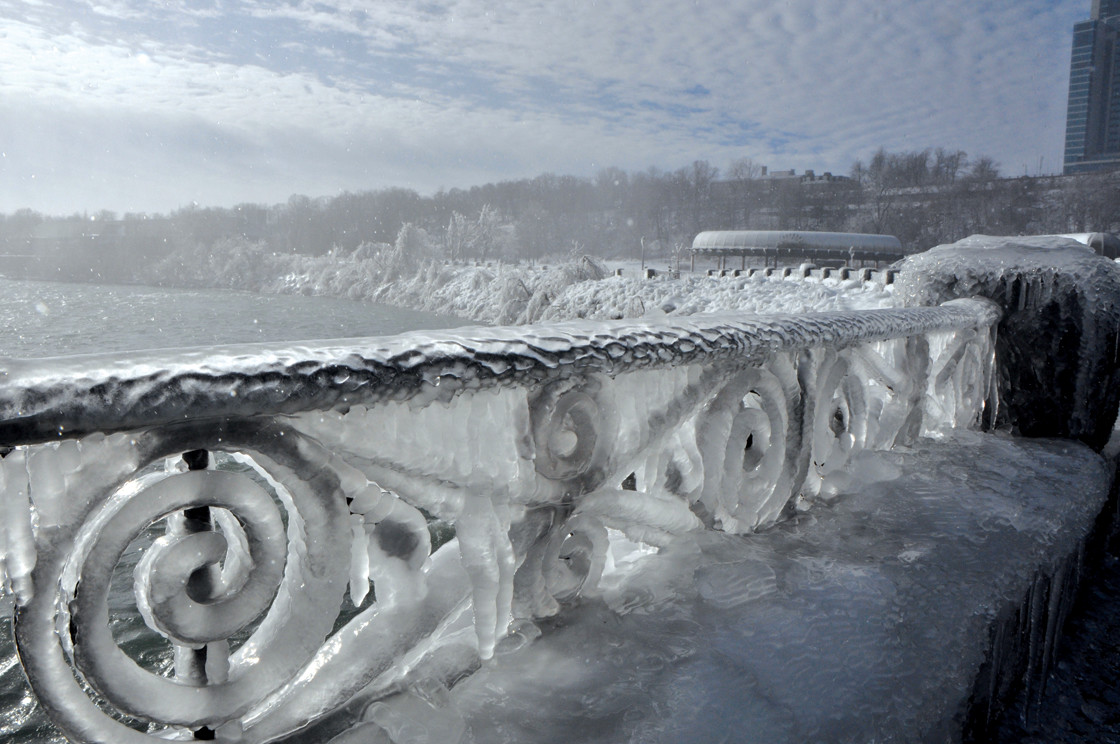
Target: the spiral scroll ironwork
(728, 427)
(282, 580)
(837, 424)
(750, 437)
(573, 431)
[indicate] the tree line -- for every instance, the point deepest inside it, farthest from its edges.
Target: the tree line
(922, 197)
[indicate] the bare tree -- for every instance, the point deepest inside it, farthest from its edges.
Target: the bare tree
(744, 196)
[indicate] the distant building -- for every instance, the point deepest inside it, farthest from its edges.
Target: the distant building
(809, 177)
(1093, 113)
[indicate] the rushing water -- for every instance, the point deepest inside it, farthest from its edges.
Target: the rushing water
(46, 319)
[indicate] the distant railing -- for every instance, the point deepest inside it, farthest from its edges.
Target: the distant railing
(795, 245)
(266, 486)
(811, 271)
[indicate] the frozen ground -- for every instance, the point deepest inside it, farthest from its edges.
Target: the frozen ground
(632, 296)
(868, 621)
(505, 294)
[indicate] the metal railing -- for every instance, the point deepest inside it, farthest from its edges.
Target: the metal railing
(424, 480)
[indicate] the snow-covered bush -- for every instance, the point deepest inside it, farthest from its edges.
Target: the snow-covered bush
(230, 263)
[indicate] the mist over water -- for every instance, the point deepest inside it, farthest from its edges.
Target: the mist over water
(44, 319)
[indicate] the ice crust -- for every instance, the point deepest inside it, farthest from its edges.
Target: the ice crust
(666, 529)
(1059, 337)
(509, 294)
(47, 399)
(533, 443)
(626, 297)
(863, 623)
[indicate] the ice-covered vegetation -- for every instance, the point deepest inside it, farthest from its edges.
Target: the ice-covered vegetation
(411, 272)
(407, 273)
(492, 293)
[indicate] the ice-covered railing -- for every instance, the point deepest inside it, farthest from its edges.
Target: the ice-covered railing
(269, 488)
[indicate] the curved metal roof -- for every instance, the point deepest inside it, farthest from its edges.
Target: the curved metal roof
(738, 242)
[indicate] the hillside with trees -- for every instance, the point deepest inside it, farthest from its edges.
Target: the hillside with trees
(924, 198)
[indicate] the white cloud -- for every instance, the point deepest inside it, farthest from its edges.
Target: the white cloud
(453, 92)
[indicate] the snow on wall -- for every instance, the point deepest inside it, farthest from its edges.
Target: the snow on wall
(1060, 333)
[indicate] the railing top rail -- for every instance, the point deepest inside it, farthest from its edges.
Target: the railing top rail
(65, 397)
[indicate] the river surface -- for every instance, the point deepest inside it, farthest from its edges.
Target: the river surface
(47, 319)
(42, 319)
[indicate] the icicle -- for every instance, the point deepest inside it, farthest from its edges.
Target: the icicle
(18, 543)
(359, 561)
(487, 555)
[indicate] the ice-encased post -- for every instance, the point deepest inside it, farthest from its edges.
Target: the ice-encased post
(1057, 341)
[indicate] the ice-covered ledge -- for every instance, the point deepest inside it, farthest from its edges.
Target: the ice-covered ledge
(900, 615)
(1059, 337)
(44, 400)
(528, 442)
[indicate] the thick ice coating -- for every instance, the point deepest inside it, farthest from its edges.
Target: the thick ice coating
(869, 622)
(48, 399)
(333, 467)
(1060, 333)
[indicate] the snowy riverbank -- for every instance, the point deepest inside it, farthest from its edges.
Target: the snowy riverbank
(505, 294)
(497, 293)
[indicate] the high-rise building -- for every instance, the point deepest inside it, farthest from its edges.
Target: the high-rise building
(1093, 113)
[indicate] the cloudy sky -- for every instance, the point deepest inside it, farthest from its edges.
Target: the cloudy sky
(149, 105)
